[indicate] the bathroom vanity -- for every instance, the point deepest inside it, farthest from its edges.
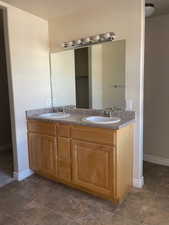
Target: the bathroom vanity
(96, 158)
(83, 148)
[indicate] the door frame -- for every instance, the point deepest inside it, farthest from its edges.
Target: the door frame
(10, 88)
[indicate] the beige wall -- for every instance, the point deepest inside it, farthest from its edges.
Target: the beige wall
(126, 19)
(156, 119)
(29, 54)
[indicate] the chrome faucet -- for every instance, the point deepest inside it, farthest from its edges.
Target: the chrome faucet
(108, 112)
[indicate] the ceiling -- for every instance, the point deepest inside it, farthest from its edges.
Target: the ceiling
(162, 6)
(48, 9)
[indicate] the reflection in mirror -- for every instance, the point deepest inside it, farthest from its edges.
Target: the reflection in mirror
(82, 77)
(90, 77)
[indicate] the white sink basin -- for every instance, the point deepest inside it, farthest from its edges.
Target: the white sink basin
(58, 115)
(102, 119)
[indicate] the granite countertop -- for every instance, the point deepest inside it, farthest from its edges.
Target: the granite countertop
(77, 115)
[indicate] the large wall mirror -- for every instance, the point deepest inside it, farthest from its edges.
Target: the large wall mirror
(90, 77)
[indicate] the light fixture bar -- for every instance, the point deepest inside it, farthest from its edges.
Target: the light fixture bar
(87, 41)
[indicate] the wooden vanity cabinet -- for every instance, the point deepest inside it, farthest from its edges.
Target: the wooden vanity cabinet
(96, 160)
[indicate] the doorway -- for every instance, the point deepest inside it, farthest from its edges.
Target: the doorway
(6, 150)
(156, 95)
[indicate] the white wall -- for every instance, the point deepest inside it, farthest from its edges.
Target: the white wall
(156, 119)
(63, 78)
(29, 53)
(126, 19)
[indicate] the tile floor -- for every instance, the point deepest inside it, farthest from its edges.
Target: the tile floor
(37, 201)
(6, 167)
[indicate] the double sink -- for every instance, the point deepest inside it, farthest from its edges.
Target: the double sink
(89, 119)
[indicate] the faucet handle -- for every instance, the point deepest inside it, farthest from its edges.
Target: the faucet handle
(108, 112)
(62, 109)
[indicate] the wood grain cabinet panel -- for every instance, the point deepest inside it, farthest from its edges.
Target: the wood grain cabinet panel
(64, 170)
(64, 130)
(49, 155)
(43, 153)
(64, 151)
(92, 167)
(64, 158)
(35, 151)
(91, 134)
(42, 127)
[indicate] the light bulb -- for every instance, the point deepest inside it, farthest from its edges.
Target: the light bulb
(96, 38)
(87, 40)
(107, 35)
(70, 43)
(78, 42)
(64, 45)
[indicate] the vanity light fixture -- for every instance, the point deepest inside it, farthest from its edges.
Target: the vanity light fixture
(96, 39)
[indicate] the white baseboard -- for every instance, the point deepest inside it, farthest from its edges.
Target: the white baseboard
(156, 159)
(138, 183)
(5, 147)
(19, 176)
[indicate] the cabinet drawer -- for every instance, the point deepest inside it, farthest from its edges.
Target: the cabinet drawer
(64, 130)
(42, 127)
(95, 135)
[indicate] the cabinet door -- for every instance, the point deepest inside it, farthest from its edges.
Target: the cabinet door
(93, 167)
(49, 155)
(43, 153)
(64, 159)
(34, 141)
